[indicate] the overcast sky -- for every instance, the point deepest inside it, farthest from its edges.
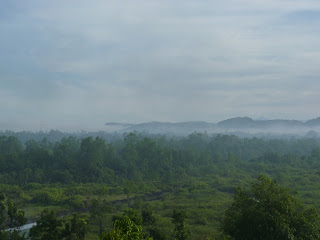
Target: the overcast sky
(77, 64)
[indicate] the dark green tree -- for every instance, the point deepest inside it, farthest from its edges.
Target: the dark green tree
(76, 229)
(129, 189)
(48, 227)
(91, 159)
(133, 215)
(130, 213)
(269, 212)
(65, 153)
(98, 213)
(11, 235)
(2, 211)
(124, 229)
(16, 217)
(148, 218)
(10, 218)
(149, 221)
(180, 231)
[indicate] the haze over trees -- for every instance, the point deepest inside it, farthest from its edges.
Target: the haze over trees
(135, 157)
(241, 126)
(161, 187)
(183, 120)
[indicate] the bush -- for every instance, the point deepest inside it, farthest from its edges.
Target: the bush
(75, 201)
(48, 196)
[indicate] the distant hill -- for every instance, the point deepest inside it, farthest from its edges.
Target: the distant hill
(236, 125)
(114, 124)
(313, 122)
(238, 122)
(247, 123)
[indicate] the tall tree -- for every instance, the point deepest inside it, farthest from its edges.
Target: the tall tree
(48, 227)
(180, 231)
(98, 213)
(76, 229)
(269, 212)
(124, 229)
(2, 211)
(16, 217)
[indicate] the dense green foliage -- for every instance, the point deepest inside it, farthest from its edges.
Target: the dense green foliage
(124, 229)
(49, 227)
(269, 212)
(178, 219)
(134, 157)
(10, 217)
(155, 181)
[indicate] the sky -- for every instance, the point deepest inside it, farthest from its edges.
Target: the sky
(76, 64)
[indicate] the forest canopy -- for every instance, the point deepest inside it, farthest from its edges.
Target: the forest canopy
(169, 187)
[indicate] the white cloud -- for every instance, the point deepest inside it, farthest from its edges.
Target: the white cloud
(79, 63)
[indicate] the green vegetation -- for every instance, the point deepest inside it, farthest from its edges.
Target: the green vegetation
(160, 187)
(124, 229)
(269, 212)
(178, 219)
(49, 227)
(10, 217)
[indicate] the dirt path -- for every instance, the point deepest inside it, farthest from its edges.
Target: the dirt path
(147, 197)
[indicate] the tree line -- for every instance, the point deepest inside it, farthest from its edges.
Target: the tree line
(135, 157)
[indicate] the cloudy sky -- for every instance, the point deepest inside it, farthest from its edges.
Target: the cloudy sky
(77, 64)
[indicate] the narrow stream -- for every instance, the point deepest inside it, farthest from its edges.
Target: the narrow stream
(23, 227)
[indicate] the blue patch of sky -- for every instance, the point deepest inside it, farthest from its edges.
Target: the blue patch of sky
(7, 10)
(302, 17)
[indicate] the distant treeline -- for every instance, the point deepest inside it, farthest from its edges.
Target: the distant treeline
(56, 135)
(139, 158)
